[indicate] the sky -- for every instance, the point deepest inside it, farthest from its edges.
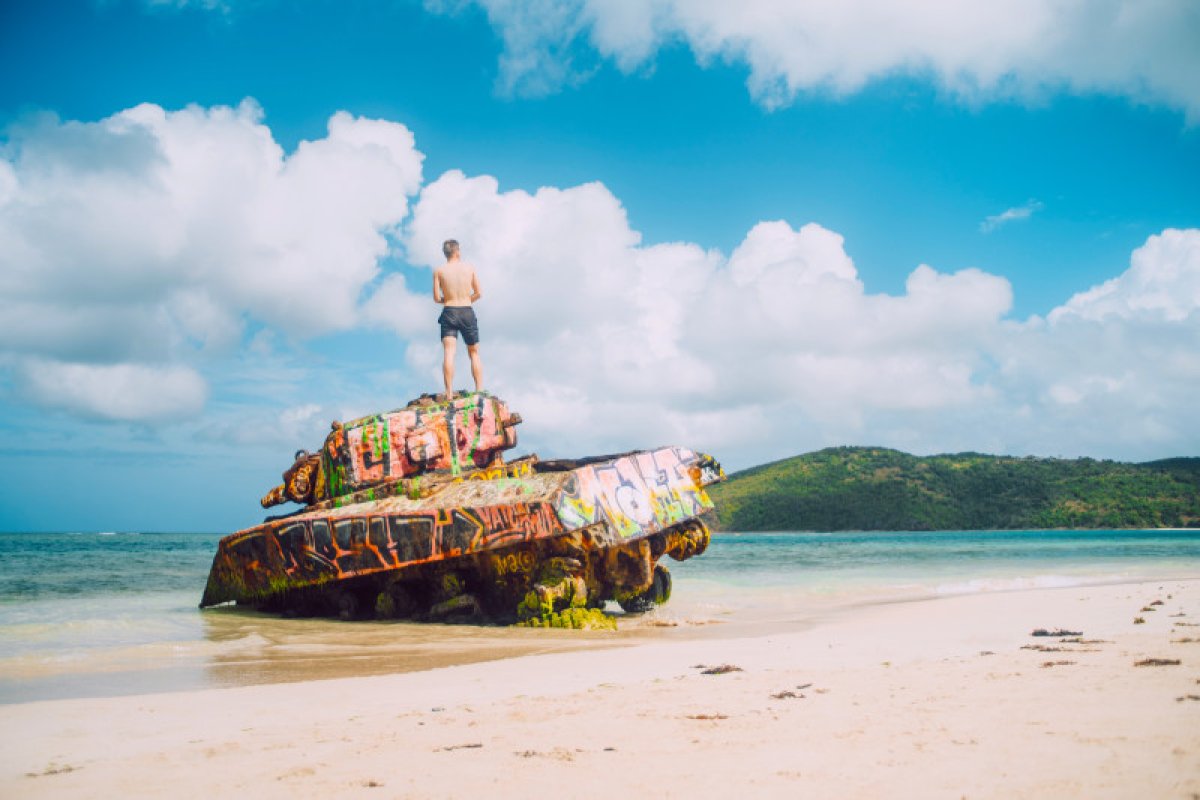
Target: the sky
(755, 229)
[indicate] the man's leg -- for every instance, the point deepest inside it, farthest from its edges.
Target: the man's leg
(476, 366)
(448, 345)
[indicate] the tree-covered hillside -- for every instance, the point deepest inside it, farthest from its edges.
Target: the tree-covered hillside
(871, 488)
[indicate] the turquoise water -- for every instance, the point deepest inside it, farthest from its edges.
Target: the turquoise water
(940, 560)
(772, 576)
(89, 613)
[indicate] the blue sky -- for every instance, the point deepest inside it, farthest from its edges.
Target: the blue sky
(690, 226)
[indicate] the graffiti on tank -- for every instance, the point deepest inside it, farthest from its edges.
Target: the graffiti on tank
(370, 451)
(636, 494)
(334, 456)
(516, 522)
(520, 561)
(456, 437)
(466, 433)
(292, 554)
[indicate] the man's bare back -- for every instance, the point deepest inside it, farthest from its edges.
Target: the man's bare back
(455, 283)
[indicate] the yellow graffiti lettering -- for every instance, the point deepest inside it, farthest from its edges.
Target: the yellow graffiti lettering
(513, 562)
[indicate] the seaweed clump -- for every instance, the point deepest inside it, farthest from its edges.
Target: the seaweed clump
(560, 599)
(586, 619)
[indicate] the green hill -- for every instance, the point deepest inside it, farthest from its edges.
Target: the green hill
(872, 488)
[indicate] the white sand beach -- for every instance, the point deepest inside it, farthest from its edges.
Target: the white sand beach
(937, 698)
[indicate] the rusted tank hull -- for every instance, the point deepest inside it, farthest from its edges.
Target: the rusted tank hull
(511, 542)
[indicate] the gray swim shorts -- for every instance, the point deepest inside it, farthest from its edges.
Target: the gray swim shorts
(460, 319)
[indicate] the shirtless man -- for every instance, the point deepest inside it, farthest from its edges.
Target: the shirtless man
(456, 287)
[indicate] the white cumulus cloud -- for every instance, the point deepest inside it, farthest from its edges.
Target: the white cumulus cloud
(122, 392)
(658, 342)
(605, 343)
(155, 235)
(1143, 50)
(1163, 281)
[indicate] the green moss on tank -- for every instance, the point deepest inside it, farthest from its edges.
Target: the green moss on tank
(385, 606)
(575, 618)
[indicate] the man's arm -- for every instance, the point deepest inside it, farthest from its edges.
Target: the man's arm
(439, 294)
(475, 293)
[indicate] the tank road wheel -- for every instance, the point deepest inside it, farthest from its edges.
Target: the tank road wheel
(460, 608)
(395, 602)
(299, 604)
(452, 601)
(658, 593)
(347, 606)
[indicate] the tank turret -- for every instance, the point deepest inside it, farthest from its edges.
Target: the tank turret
(467, 432)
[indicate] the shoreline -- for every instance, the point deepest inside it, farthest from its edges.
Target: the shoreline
(942, 696)
(320, 649)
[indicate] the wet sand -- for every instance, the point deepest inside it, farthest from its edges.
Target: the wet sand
(945, 698)
(236, 647)
(228, 647)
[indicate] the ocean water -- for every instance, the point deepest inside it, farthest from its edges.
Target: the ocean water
(88, 614)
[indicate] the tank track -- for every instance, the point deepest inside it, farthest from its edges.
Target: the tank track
(564, 581)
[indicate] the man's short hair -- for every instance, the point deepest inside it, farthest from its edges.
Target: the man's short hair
(449, 247)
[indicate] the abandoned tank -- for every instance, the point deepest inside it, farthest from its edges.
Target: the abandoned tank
(414, 514)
